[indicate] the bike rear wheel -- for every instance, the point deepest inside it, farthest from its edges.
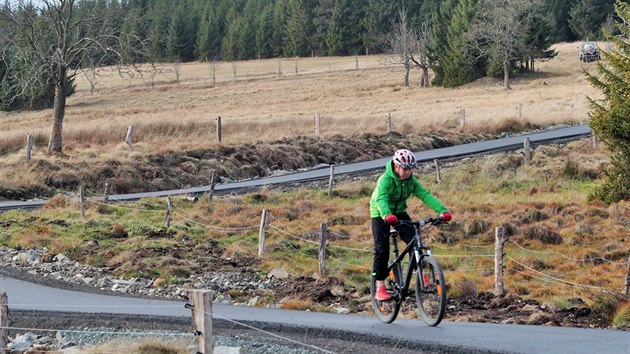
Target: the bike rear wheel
(430, 292)
(387, 311)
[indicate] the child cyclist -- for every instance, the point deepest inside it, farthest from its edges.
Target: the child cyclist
(388, 204)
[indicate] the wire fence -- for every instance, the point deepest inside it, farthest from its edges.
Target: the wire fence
(516, 262)
(444, 252)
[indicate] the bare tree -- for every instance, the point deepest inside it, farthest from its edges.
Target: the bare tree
(501, 31)
(419, 52)
(399, 44)
(409, 49)
(47, 44)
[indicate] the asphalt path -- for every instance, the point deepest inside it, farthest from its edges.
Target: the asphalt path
(448, 336)
(457, 151)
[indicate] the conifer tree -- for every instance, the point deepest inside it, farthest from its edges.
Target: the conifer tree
(610, 116)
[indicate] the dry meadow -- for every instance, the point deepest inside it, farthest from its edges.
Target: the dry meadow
(265, 100)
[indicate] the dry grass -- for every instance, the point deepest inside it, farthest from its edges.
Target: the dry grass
(141, 346)
(181, 116)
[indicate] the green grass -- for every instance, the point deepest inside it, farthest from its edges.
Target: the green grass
(482, 196)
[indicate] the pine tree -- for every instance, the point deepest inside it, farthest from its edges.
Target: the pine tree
(610, 116)
(264, 33)
(295, 41)
(460, 65)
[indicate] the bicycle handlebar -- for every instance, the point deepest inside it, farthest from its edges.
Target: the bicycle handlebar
(430, 220)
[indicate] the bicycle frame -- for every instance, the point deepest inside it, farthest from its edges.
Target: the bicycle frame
(416, 250)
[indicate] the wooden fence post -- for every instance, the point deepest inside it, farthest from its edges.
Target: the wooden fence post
(212, 183)
(322, 249)
(317, 124)
(201, 306)
(129, 137)
(356, 63)
(499, 235)
(106, 193)
(462, 118)
(527, 151)
(82, 200)
(595, 142)
(29, 146)
(219, 129)
(296, 68)
(388, 122)
(264, 219)
(437, 170)
(330, 180)
(519, 110)
(628, 279)
(4, 322)
(167, 221)
(279, 68)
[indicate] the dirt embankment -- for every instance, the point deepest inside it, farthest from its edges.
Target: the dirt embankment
(234, 162)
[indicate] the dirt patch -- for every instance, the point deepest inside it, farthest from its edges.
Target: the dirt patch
(235, 162)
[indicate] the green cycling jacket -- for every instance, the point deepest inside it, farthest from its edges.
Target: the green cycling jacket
(391, 194)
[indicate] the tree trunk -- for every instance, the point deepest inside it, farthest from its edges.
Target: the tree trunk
(424, 80)
(406, 81)
(506, 75)
(55, 143)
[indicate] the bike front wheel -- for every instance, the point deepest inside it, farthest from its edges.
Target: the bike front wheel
(387, 311)
(430, 291)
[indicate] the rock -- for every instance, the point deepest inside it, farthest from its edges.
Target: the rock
(278, 273)
(342, 310)
(253, 301)
(60, 258)
(337, 290)
(538, 318)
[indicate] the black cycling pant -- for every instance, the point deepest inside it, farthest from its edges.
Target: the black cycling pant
(380, 231)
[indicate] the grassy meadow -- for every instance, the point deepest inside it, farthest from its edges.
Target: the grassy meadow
(562, 246)
(261, 106)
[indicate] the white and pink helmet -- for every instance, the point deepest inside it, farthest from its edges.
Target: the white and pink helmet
(404, 158)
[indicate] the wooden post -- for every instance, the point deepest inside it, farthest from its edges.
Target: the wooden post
(167, 221)
(29, 146)
(296, 68)
(4, 322)
(202, 319)
(595, 142)
(82, 200)
(628, 279)
(261, 232)
(499, 236)
(219, 129)
(279, 68)
(462, 118)
(519, 109)
(233, 71)
(437, 170)
(212, 183)
(129, 137)
(214, 73)
(106, 193)
(322, 248)
(388, 122)
(317, 124)
(527, 151)
(356, 62)
(330, 180)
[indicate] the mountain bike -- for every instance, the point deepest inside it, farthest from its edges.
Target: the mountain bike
(429, 281)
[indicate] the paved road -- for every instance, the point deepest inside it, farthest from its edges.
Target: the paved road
(510, 143)
(463, 337)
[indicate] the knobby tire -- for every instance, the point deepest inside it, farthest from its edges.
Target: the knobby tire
(387, 311)
(431, 298)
